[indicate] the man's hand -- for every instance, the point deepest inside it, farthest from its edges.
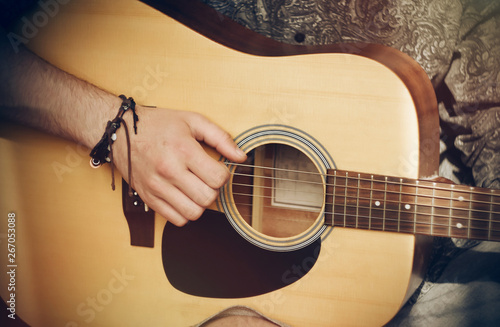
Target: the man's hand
(171, 171)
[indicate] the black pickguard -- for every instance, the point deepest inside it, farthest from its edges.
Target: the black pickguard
(209, 258)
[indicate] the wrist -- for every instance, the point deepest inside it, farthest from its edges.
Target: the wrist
(104, 151)
(101, 109)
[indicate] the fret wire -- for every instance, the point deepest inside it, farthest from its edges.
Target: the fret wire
(357, 202)
(385, 202)
(470, 213)
(415, 209)
(400, 203)
(371, 199)
(328, 207)
(490, 225)
(345, 198)
(451, 211)
(433, 211)
(333, 195)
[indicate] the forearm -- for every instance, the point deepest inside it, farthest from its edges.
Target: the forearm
(40, 95)
(171, 171)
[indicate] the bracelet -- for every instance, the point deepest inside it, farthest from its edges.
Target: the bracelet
(103, 151)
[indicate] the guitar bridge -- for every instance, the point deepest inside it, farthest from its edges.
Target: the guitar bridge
(140, 219)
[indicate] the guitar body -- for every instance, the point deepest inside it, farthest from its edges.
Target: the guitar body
(75, 264)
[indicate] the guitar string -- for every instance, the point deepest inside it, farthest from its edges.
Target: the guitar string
(338, 185)
(321, 175)
(418, 204)
(390, 192)
(418, 182)
(420, 226)
(381, 219)
(447, 217)
(463, 194)
(397, 202)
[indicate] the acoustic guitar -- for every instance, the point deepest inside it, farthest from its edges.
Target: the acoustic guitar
(328, 223)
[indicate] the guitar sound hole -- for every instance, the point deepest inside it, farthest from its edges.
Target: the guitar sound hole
(278, 191)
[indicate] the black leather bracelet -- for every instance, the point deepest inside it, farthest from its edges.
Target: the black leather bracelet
(103, 151)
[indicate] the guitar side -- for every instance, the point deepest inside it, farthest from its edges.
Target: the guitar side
(76, 265)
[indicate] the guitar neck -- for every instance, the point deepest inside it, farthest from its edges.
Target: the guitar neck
(374, 202)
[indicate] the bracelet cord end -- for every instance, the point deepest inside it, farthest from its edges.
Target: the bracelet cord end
(103, 151)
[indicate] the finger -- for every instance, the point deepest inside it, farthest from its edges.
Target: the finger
(210, 171)
(214, 136)
(197, 190)
(167, 211)
(194, 172)
(172, 202)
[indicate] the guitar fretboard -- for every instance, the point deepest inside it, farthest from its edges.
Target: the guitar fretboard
(374, 202)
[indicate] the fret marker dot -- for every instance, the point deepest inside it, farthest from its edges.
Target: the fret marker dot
(460, 198)
(459, 225)
(407, 206)
(377, 203)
